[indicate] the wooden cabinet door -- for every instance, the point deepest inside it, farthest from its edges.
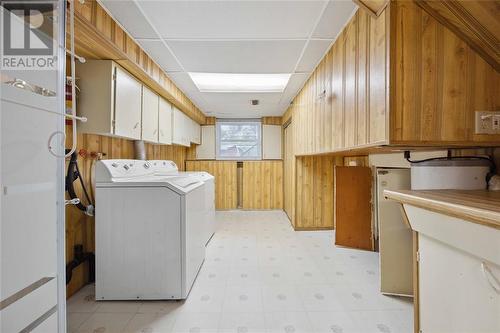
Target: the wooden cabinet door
(164, 122)
(128, 100)
(150, 102)
(353, 207)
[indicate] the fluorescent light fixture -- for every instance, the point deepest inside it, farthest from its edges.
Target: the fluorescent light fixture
(228, 82)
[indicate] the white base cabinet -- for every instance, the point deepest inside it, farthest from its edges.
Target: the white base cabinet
(458, 271)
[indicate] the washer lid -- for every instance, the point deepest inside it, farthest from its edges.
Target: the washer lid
(185, 184)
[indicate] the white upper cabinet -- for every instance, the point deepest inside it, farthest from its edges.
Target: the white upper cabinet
(165, 122)
(206, 151)
(110, 98)
(271, 142)
(127, 117)
(195, 132)
(150, 104)
(180, 128)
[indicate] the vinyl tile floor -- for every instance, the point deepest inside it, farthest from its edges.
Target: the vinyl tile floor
(261, 276)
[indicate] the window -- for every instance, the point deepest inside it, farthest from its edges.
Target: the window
(238, 139)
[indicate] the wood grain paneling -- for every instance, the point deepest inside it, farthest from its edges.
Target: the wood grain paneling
(271, 120)
(373, 7)
(289, 173)
(98, 36)
(343, 105)
(314, 191)
(440, 81)
(226, 191)
(262, 185)
(476, 22)
(79, 227)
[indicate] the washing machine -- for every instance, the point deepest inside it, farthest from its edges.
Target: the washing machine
(148, 245)
(168, 168)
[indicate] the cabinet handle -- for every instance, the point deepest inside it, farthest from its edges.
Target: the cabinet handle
(155, 131)
(489, 277)
(136, 124)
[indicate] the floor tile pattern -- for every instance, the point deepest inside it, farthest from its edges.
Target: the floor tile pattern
(260, 276)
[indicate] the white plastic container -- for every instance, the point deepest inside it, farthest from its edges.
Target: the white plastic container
(457, 174)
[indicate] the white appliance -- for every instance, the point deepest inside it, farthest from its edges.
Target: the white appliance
(460, 174)
(169, 168)
(148, 244)
(394, 236)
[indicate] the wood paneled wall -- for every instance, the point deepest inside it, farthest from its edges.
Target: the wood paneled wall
(98, 36)
(477, 22)
(271, 120)
(439, 81)
(262, 185)
(314, 205)
(225, 173)
(79, 227)
(400, 79)
(344, 103)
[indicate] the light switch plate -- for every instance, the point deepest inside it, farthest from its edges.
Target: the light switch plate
(487, 122)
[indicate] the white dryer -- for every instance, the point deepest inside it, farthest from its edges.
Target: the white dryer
(148, 244)
(168, 168)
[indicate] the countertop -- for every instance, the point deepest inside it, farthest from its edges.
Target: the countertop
(477, 206)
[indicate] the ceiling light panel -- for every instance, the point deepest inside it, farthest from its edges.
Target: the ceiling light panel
(231, 82)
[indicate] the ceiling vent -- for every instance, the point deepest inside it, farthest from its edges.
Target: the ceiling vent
(255, 102)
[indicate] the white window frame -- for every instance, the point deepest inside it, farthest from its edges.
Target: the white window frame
(217, 139)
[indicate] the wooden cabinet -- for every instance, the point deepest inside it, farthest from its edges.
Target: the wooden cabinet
(271, 142)
(110, 98)
(164, 122)
(150, 109)
(401, 78)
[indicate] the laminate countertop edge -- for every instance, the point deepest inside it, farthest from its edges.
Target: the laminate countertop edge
(431, 200)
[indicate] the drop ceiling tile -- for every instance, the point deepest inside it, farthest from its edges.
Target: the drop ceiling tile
(241, 99)
(238, 56)
(296, 82)
(161, 54)
(233, 19)
(334, 18)
(315, 50)
(130, 17)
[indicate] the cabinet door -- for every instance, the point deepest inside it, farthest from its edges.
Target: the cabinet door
(271, 142)
(195, 132)
(165, 122)
(179, 128)
(353, 207)
(150, 102)
(206, 151)
(127, 115)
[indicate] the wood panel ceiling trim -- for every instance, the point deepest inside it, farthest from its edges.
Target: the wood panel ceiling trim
(97, 36)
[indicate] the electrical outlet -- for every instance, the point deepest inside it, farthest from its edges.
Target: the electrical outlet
(487, 122)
